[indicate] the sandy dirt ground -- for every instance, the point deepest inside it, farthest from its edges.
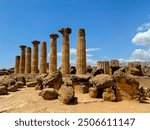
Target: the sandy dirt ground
(27, 100)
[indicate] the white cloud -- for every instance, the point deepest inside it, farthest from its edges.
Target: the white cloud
(73, 51)
(89, 55)
(142, 38)
(92, 49)
(141, 55)
(89, 61)
(138, 55)
(59, 53)
(143, 27)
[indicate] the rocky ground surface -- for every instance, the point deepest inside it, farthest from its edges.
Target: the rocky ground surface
(93, 92)
(27, 100)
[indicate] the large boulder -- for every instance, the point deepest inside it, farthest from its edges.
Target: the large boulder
(97, 72)
(39, 81)
(81, 83)
(93, 92)
(3, 90)
(21, 79)
(10, 82)
(135, 69)
(127, 88)
(49, 94)
(148, 92)
(12, 88)
(102, 81)
(80, 79)
(31, 84)
(84, 89)
(19, 84)
(109, 95)
(66, 94)
(53, 81)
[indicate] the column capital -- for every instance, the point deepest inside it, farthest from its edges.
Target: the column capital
(65, 31)
(17, 56)
(54, 36)
(35, 42)
(22, 47)
(81, 32)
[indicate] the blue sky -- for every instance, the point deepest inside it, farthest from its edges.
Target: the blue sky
(114, 28)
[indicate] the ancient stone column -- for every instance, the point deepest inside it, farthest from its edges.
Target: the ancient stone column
(104, 65)
(28, 61)
(81, 52)
(22, 60)
(65, 50)
(34, 66)
(17, 64)
(53, 53)
(43, 58)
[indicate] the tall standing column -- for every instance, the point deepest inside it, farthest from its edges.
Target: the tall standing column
(43, 58)
(22, 60)
(65, 50)
(81, 52)
(17, 63)
(28, 61)
(53, 53)
(34, 66)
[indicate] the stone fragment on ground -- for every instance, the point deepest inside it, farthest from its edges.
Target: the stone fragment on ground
(49, 94)
(66, 94)
(3, 90)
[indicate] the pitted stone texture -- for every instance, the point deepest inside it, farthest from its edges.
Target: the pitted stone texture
(43, 58)
(34, 66)
(93, 92)
(17, 64)
(28, 61)
(134, 69)
(65, 50)
(22, 60)
(3, 90)
(49, 94)
(81, 52)
(53, 53)
(66, 94)
(53, 81)
(102, 81)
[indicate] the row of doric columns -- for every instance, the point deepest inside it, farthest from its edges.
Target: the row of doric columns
(24, 64)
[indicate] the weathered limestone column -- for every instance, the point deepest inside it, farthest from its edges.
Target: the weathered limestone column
(53, 53)
(81, 52)
(17, 64)
(22, 60)
(34, 66)
(43, 58)
(104, 65)
(28, 61)
(65, 50)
